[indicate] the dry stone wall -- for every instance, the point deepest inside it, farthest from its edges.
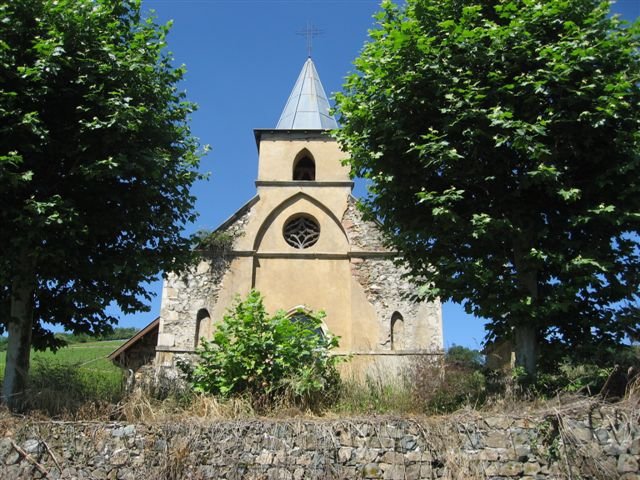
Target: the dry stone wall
(591, 442)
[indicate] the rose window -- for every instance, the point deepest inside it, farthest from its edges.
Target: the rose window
(301, 232)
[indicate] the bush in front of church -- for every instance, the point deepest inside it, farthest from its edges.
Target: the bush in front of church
(279, 360)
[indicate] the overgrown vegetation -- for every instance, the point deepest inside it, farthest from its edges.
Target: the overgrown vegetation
(462, 380)
(78, 382)
(279, 359)
(212, 243)
(449, 389)
(280, 365)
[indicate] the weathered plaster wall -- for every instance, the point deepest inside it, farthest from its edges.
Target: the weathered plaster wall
(363, 236)
(590, 442)
(278, 151)
(317, 284)
(387, 292)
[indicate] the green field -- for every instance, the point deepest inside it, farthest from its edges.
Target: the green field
(73, 375)
(90, 355)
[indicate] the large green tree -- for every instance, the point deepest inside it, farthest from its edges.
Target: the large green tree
(96, 162)
(501, 139)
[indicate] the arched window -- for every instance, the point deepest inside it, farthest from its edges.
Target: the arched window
(304, 319)
(304, 167)
(202, 324)
(299, 314)
(397, 331)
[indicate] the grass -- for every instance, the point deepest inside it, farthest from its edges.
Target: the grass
(372, 395)
(72, 377)
(93, 352)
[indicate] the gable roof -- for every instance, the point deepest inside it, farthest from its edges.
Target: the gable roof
(133, 340)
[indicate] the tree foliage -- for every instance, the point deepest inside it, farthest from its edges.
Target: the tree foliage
(465, 357)
(96, 162)
(267, 357)
(501, 139)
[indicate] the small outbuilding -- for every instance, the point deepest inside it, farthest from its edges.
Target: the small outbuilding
(139, 350)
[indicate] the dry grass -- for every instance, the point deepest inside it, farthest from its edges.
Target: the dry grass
(633, 391)
(369, 396)
(141, 408)
(582, 459)
(375, 395)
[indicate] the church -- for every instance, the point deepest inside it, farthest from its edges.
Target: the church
(303, 244)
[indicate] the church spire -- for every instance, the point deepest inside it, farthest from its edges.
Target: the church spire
(308, 106)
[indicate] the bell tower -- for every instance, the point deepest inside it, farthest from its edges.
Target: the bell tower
(299, 148)
(304, 190)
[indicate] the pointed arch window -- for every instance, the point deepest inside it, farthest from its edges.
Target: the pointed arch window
(304, 167)
(202, 323)
(304, 319)
(397, 331)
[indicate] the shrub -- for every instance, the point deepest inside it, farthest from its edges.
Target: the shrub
(609, 381)
(454, 388)
(269, 358)
(213, 243)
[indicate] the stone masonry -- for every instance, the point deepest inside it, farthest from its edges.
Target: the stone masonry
(589, 441)
(186, 293)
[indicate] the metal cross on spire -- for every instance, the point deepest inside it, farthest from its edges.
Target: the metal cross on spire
(310, 31)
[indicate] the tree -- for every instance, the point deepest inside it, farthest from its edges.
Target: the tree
(96, 162)
(501, 139)
(267, 357)
(464, 357)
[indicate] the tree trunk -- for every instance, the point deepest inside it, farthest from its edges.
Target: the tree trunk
(525, 329)
(527, 349)
(19, 342)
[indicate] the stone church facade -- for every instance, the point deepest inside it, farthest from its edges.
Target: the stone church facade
(302, 243)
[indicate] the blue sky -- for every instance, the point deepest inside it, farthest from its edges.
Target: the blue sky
(242, 59)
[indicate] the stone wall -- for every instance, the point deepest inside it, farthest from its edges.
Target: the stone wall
(363, 235)
(388, 291)
(588, 441)
(185, 294)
